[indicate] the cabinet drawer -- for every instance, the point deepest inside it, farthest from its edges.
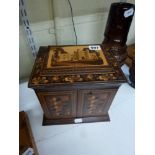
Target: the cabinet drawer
(94, 102)
(59, 104)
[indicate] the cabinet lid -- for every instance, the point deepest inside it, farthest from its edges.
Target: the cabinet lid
(69, 64)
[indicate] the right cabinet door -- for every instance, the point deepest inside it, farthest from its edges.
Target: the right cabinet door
(93, 103)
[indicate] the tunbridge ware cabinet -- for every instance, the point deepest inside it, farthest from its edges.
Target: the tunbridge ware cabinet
(75, 84)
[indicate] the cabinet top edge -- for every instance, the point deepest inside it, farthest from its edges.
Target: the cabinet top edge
(74, 65)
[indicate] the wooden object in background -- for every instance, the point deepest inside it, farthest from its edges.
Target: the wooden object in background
(130, 55)
(130, 62)
(132, 74)
(117, 28)
(26, 139)
(75, 83)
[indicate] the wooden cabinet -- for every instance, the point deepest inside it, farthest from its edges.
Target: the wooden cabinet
(75, 84)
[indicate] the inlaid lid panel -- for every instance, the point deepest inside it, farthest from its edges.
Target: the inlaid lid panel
(75, 57)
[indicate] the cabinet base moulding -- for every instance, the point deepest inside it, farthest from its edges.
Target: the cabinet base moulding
(47, 121)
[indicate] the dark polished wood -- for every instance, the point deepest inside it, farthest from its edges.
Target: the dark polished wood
(103, 118)
(94, 102)
(131, 55)
(26, 139)
(58, 104)
(117, 28)
(132, 74)
(130, 62)
(74, 82)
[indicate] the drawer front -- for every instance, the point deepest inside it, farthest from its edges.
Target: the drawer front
(60, 104)
(94, 102)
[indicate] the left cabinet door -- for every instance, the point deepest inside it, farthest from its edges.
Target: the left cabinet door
(59, 104)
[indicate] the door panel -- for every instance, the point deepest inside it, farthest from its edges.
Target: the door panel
(60, 104)
(94, 102)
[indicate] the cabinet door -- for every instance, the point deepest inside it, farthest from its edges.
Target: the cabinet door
(94, 102)
(60, 104)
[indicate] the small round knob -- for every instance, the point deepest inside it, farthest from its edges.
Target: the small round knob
(90, 93)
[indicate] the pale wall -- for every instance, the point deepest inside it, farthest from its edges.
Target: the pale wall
(90, 20)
